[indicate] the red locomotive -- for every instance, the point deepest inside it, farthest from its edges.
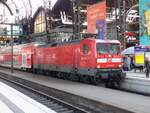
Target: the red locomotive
(88, 60)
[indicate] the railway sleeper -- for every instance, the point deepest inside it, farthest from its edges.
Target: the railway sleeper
(70, 111)
(61, 110)
(57, 107)
(52, 105)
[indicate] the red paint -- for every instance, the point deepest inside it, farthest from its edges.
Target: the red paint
(66, 55)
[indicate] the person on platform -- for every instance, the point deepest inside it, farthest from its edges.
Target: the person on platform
(147, 66)
(125, 66)
(129, 63)
(132, 63)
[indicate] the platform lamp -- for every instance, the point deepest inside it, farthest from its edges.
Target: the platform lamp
(124, 23)
(12, 22)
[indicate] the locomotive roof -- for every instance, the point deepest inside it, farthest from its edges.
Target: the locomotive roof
(53, 44)
(60, 43)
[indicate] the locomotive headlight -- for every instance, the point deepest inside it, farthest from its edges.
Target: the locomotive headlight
(119, 65)
(98, 66)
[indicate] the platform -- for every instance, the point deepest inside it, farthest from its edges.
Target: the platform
(128, 101)
(13, 101)
(137, 81)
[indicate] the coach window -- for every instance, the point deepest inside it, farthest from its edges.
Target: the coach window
(85, 49)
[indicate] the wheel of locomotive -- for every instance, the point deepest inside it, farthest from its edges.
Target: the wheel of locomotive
(30, 70)
(109, 84)
(118, 81)
(113, 84)
(45, 73)
(34, 70)
(65, 76)
(95, 80)
(70, 77)
(53, 73)
(74, 77)
(27, 70)
(85, 79)
(38, 71)
(59, 75)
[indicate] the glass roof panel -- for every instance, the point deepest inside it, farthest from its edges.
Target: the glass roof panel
(23, 8)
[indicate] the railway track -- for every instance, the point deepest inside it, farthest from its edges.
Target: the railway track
(91, 106)
(53, 103)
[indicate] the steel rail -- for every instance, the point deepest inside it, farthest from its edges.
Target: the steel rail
(51, 102)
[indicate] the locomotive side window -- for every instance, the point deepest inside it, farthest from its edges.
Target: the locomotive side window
(85, 49)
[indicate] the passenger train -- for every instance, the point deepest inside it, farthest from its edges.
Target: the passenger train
(88, 60)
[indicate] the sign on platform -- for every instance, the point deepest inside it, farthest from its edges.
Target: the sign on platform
(139, 58)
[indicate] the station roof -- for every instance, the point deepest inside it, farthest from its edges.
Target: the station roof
(27, 8)
(21, 8)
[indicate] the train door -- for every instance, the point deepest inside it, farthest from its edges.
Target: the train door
(24, 59)
(85, 54)
(76, 58)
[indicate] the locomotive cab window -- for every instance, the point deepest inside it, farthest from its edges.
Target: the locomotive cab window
(114, 49)
(85, 49)
(107, 48)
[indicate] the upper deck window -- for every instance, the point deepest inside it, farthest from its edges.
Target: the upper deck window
(108, 48)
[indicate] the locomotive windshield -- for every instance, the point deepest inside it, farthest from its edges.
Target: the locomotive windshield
(108, 48)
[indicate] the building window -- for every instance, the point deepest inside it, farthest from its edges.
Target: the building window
(40, 23)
